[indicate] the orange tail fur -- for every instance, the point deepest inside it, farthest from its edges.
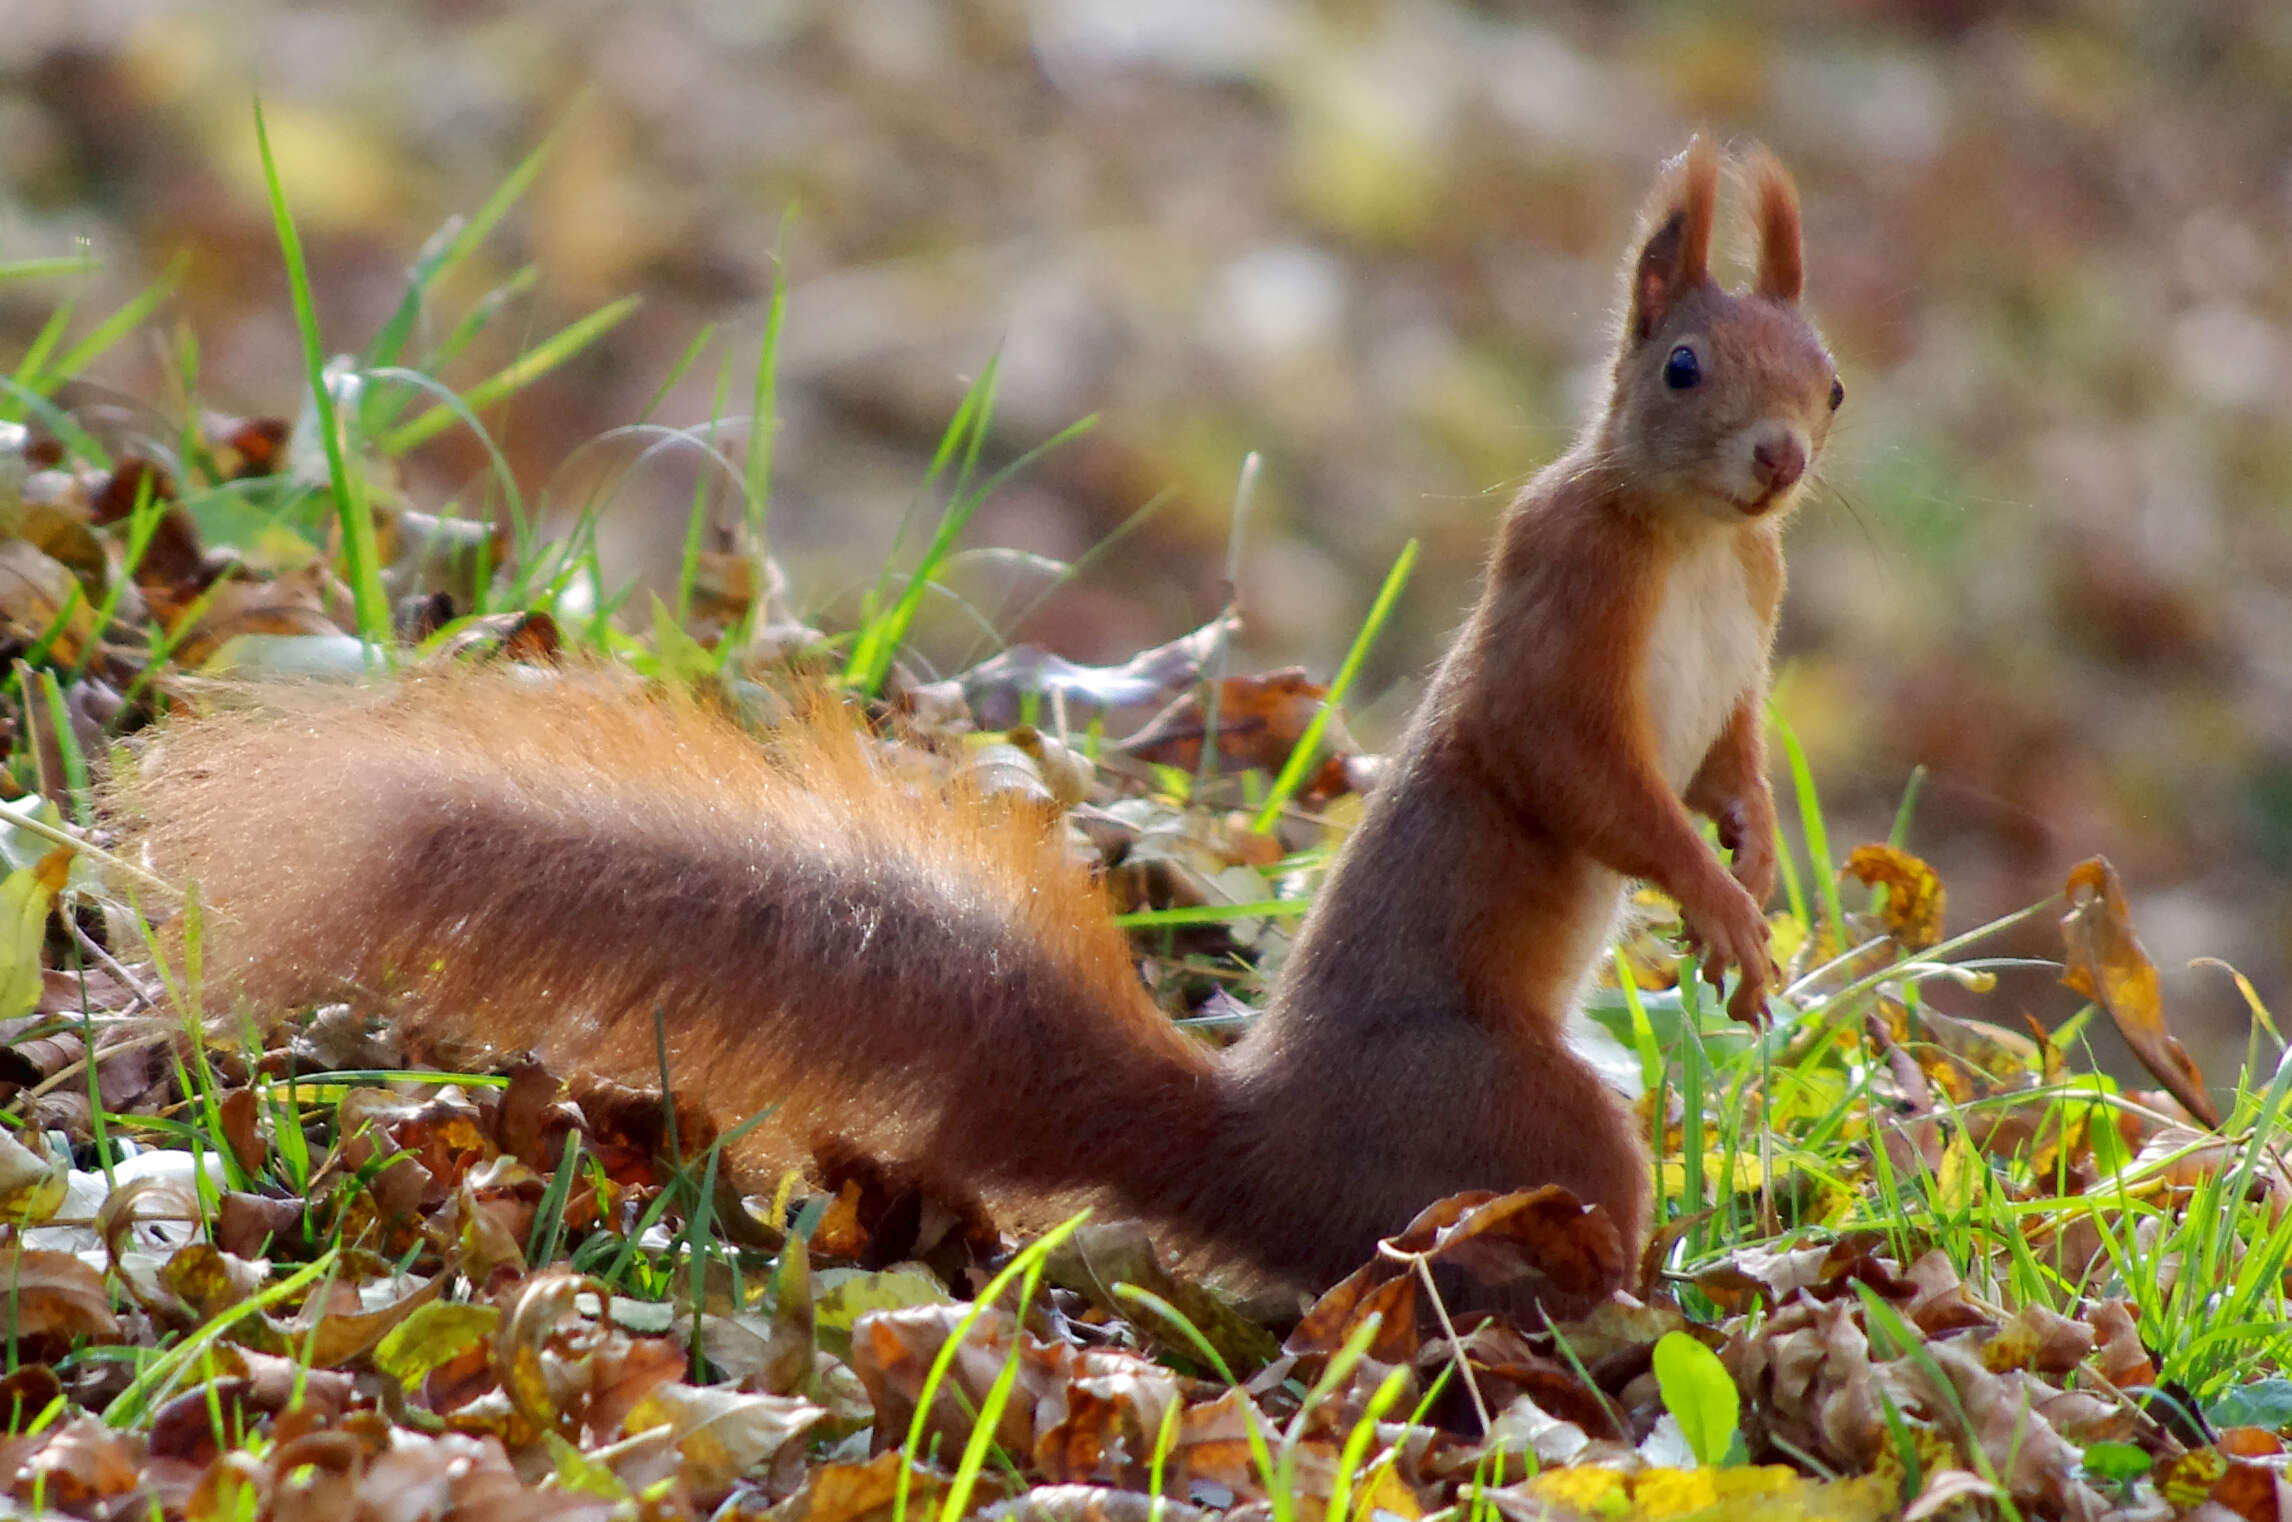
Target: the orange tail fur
(548, 862)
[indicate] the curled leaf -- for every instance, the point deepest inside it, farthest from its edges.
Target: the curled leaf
(1914, 897)
(2107, 965)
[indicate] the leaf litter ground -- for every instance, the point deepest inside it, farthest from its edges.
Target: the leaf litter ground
(1910, 1260)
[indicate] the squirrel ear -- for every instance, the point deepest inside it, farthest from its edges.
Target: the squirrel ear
(1781, 273)
(1675, 255)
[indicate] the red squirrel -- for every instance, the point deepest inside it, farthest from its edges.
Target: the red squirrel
(548, 862)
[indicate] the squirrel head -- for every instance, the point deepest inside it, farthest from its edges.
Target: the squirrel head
(1722, 399)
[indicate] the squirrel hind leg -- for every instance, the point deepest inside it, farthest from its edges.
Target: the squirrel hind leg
(1341, 1165)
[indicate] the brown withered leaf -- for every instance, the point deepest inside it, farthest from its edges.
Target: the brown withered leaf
(1541, 1244)
(491, 1219)
(1939, 1302)
(39, 594)
(241, 1117)
(2185, 1159)
(26, 1394)
(252, 1225)
(722, 1434)
(1914, 896)
(133, 479)
(256, 1385)
(863, 1492)
(1102, 1255)
(1215, 1444)
(628, 1127)
(526, 1342)
(2040, 1339)
(2106, 964)
(524, 1111)
(2002, 1058)
(2249, 1442)
(1101, 1432)
(1260, 720)
(892, 1352)
(1821, 1271)
(2255, 1492)
(2124, 1362)
(294, 603)
(1371, 1290)
(175, 566)
(1542, 1234)
(59, 529)
(1507, 1367)
(55, 1294)
(339, 1037)
(81, 1464)
(1089, 1413)
(339, 1336)
(455, 1476)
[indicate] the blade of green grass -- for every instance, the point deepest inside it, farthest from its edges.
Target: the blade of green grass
(81, 263)
(1811, 824)
(77, 441)
(763, 406)
(480, 316)
(976, 404)
(528, 367)
(355, 512)
(1212, 685)
(1302, 754)
(448, 247)
(112, 329)
(872, 654)
(696, 515)
(684, 362)
(1213, 914)
(1899, 836)
(44, 344)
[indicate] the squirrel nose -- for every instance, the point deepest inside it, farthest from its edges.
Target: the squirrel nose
(1779, 461)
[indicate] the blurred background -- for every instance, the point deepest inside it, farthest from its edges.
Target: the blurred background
(1375, 241)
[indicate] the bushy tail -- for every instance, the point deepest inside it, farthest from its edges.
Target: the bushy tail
(548, 861)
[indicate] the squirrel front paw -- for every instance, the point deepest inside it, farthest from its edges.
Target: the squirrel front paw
(1732, 931)
(1748, 836)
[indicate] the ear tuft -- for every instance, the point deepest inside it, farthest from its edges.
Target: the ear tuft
(1782, 273)
(1675, 223)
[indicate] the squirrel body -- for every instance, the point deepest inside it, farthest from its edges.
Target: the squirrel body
(550, 862)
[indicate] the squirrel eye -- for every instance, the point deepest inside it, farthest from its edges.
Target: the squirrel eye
(1682, 369)
(1837, 394)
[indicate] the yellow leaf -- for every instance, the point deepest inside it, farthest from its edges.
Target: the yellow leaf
(25, 897)
(433, 1335)
(1914, 895)
(31, 1187)
(1963, 1176)
(1763, 1493)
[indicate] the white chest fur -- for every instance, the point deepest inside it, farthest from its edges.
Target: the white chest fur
(1702, 654)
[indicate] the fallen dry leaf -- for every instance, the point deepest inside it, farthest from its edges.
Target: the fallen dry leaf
(54, 1294)
(1260, 719)
(2107, 965)
(1914, 896)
